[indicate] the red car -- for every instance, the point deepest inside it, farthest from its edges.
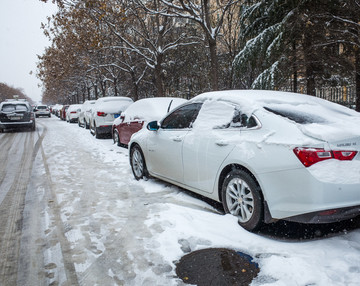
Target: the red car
(138, 114)
(62, 112)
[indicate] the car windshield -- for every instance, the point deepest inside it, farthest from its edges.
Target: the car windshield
(14, 107)
(300, 117)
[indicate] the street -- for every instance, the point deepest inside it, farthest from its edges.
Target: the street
(72, 214)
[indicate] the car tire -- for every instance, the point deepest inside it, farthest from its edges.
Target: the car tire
(137, 161)
(241, 197)
(116, 138)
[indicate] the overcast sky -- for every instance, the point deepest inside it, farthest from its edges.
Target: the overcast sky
(21, 40)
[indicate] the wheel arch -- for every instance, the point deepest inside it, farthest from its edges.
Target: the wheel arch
(226, 170)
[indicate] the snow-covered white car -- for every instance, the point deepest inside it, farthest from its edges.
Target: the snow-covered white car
(104, 111)
(139, 113)
(42, 110)
(72, 113)
(85, 112)
(56, 109)
(266, 155)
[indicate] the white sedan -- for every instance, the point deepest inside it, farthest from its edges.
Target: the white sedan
(266, 155)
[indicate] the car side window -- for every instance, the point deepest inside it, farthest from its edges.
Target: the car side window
(182, 117)
(241, 120)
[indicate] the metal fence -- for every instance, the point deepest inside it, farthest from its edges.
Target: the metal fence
(344, 95)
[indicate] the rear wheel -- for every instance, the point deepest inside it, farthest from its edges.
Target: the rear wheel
(241, 197)
(137, 162)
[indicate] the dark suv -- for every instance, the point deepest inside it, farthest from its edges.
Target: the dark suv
(16, 114)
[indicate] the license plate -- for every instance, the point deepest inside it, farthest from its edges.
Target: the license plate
(15, 118)
(116, 115)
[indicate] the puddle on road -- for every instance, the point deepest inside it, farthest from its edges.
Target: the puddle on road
(217, 266)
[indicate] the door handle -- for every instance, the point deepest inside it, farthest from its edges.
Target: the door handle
(221, 143)
(177, 139)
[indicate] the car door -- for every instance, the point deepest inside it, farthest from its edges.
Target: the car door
(165, 144)
(208, 144)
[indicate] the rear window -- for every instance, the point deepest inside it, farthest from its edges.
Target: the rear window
(41, 107)
(14, 107)
(300, 117)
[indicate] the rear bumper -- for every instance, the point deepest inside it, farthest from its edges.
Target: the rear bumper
(42, 114)
(327, 216)
(296, 195)
(17, 125)
(104, 129)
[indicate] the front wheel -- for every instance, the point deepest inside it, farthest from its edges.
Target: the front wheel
(241, 197)
(137, 162)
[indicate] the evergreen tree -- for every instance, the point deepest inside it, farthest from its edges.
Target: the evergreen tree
(289, 39)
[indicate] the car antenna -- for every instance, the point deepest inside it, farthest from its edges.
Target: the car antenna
(169, 106)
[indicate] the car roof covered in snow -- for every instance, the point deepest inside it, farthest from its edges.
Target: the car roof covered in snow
(154, 108)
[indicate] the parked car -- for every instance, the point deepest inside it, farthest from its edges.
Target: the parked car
(266, 155)
(56, 109)
(42, 110)
(138, 114)
(72, 113)
(16, 114)
(62, 112)
(85, 112)
(103, 113)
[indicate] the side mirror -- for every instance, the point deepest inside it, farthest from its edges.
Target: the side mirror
(153, 126)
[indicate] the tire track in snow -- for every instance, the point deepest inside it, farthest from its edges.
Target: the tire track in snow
(54, 209)
(11, 210)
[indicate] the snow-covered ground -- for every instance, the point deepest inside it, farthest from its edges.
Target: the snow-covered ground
(126, 232)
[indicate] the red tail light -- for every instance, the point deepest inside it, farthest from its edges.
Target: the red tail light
(100, 113)
(311, 156)
(73, 112)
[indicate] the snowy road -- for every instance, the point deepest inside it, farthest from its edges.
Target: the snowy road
(72, 214)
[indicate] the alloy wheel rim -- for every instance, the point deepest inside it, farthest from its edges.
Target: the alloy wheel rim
(137, 163)
(239, 199)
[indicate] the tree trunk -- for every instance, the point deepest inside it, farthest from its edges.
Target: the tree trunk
(89, 93)
(135, 94)
(310, 80)
(295, 73)
(214, 69)
(159, 77)
(357, 80)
